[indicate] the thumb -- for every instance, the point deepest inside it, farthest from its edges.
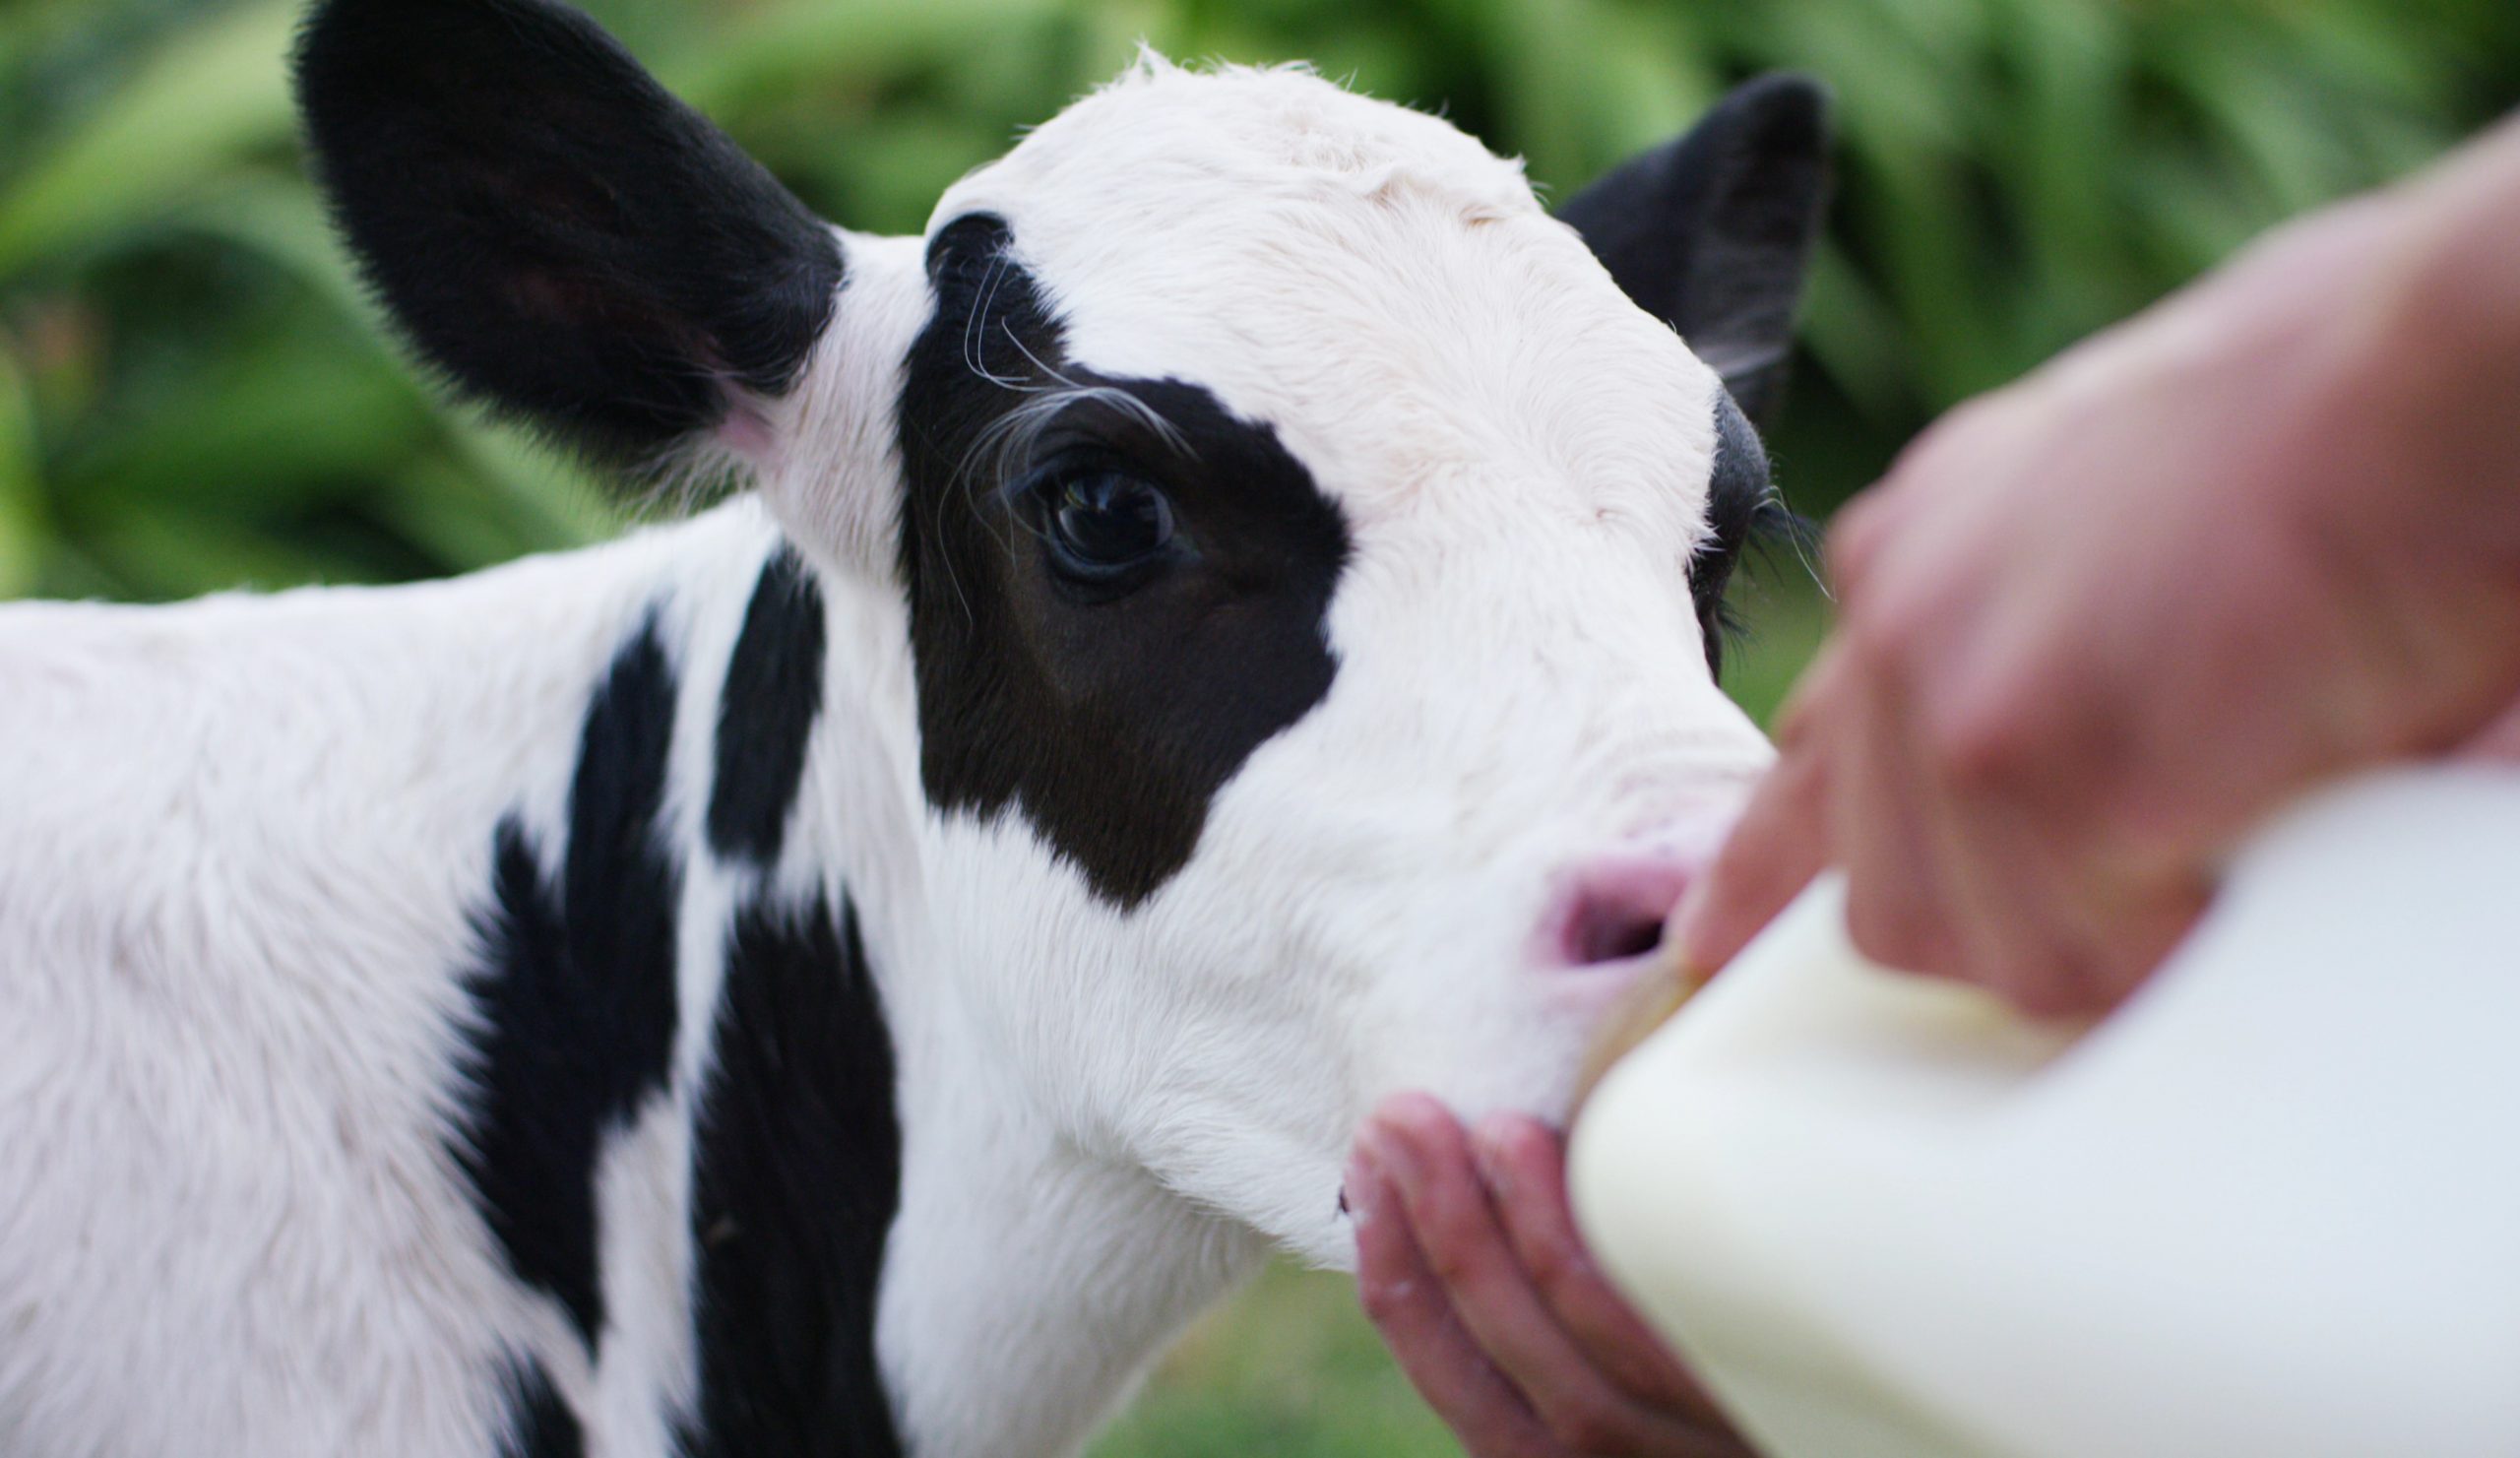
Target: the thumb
(1779, 845)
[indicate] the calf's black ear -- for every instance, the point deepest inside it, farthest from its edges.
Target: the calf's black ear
(552, 230)
(1712, 233)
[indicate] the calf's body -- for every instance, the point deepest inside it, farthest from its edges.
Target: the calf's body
(456, 1015)
(1219, 631)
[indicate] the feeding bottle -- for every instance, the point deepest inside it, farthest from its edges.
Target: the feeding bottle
(2270, 1206)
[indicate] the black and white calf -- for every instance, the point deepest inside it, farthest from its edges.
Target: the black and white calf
(1222, 632)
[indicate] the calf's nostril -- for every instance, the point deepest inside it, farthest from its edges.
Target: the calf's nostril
(1606, 932)
(1613, 910)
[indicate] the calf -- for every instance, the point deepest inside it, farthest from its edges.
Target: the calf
(1217, 630)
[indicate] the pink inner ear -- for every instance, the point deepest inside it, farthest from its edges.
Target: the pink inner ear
(745, 429)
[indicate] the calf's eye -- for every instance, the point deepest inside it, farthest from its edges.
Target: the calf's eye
(1104, 528)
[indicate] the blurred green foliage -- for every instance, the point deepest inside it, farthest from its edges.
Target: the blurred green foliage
(194, 394)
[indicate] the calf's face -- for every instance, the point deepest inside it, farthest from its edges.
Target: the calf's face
(1308, 549)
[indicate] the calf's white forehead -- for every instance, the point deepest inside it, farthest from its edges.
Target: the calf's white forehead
(1366, 280)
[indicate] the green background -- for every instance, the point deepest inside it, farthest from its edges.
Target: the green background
(194, 395)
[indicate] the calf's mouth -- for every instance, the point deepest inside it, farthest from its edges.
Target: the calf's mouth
(1661, 991)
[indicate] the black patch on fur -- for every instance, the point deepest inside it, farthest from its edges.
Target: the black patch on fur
(1110, 724)
(766, 714)
(559, 236)
(1740, 503)
(577, 995)
(545, 1426)
(1712, 232)
(796, 1181)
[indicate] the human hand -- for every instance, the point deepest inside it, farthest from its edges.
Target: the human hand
(2096, 626)
(1469, 1263)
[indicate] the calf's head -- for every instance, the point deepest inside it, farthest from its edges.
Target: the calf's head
(1307, 550)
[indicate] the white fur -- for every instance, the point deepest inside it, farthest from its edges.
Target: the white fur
(246, 834)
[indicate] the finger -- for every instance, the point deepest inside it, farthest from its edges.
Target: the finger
(1805, 710)
(1985, 893)
(1878, 822)
(1407, 1304)
(2144, 930)
(2052, 919)
(2064, 910)
(2016, 924)
(1427, 1157)
(1775, 850)
(1858, 533)
(1523, 1165)
(1965, 446)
